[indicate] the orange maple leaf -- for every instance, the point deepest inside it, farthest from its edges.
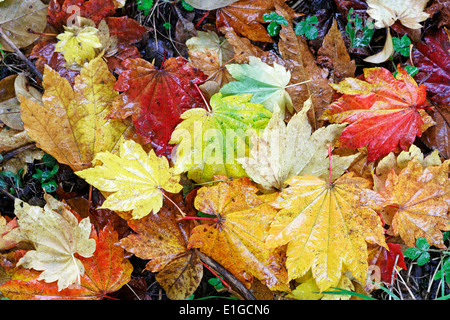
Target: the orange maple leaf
(105, 272)
(236, 238)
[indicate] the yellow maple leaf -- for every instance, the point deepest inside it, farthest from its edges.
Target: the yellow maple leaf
(325, 228)
(135, 179)
(71, 124)
(57, 236)
(78, 44)
(284, 151)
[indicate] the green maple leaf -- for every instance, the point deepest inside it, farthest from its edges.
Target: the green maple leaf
(267, 84)
(208, 143)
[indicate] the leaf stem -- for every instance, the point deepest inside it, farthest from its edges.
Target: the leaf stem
(203, 97)
(298, 83)
(203, 18)
(197, 218)
(179, 209)
(220, 278)
(329, 163)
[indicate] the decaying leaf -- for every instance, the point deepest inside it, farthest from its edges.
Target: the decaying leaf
(284, 151)
(325, 228)
(237, 239)
(17, 16)
(135, 179)
(416, 202)
(162, 240)
(57, 236)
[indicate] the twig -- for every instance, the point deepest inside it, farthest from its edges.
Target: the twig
(11, 154)
(229, 277)
(20, 54)
(6, 193)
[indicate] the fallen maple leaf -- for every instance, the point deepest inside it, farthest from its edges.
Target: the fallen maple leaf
(399, 162)
(135, 179)
(78, 44)
(266, 84)
(386, 12)
(325, 228)
(71, 124)
(57, 236)
(383, 112)
(156, 97)
(237, 237)
(211, 41)
(122, 33)
(105, 272)
(210, 142)
(284, 151)
(162, 240)
(416, 202)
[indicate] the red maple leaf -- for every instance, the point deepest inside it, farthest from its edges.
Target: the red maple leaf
(155, 98)
(384, 112)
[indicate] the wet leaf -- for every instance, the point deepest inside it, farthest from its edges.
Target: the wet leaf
(17, 17)
(162, 240)
(134, 179)
(237, 239)
(384, 113)
(71, 124)
(325, 228)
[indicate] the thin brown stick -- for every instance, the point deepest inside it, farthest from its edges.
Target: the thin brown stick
(20, 54)
(12, 153)
(229, 277)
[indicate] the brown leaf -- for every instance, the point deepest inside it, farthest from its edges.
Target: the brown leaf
(208, 61)
(162, 240)
(245, 49)
(302, 64)
(334, 48)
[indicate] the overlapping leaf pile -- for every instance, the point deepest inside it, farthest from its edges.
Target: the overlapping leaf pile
(298, 169)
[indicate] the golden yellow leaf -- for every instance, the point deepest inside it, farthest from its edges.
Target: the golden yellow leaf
(78, 44)
(284, 151)
(325, 228)
(237, 238)
(57, 236)
(135, 179)
(71, 124)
